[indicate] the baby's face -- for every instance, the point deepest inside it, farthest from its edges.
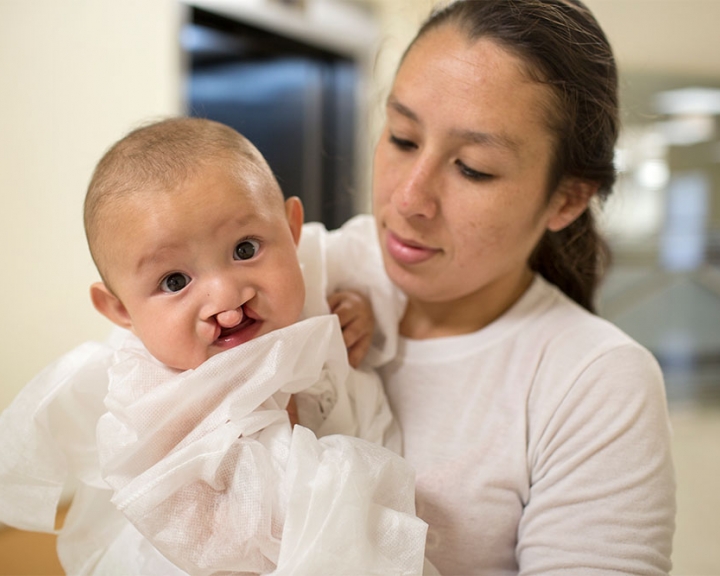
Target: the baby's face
(207, 267)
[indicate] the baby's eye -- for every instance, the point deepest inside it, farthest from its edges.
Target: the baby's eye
(174, 282)
(246, 249)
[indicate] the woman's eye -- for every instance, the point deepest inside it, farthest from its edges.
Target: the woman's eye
(174, 282)
(246, 249)
(402, 143)
(471, 174)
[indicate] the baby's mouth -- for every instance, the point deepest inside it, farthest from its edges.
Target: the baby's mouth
(227, 332)
(240, 333)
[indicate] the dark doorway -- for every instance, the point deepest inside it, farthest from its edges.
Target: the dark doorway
(294, 101)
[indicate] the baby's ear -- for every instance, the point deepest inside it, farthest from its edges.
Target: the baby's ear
(569, 201)
(109, 305)
(295, 215)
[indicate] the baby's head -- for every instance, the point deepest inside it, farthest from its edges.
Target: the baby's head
(193, 240)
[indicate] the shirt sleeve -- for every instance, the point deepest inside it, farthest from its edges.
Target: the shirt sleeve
(602, 486)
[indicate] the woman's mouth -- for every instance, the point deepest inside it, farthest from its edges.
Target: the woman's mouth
(408, 252)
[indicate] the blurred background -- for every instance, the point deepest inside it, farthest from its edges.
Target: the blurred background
(305, 80)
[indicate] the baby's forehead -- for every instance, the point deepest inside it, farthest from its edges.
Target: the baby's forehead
(244, 182)
(246, 178)
(204, 205)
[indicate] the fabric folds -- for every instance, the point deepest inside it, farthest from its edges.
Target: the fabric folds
(203, 466)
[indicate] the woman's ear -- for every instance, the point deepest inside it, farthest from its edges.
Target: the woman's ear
(109, 305)
(294, 214)
(569, 201)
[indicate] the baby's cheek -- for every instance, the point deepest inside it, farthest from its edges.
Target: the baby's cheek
(290, 301)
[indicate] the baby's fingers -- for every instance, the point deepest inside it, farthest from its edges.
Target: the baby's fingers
(351, 307)
(357, 323)
(358, 350)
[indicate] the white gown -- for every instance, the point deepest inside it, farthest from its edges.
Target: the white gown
(202, 467)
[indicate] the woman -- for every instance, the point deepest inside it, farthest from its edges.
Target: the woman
(539, 431)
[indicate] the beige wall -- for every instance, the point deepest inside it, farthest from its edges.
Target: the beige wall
(76, 75)
(398, 20)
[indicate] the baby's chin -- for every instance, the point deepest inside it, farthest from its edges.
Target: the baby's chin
(191, 360)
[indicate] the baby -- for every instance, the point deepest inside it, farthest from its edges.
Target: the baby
(193, 241)
(178, 448)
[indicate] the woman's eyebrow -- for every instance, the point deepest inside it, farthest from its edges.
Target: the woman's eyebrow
(495, 140)
(395, 104)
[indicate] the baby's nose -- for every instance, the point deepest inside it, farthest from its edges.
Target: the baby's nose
(230, 318)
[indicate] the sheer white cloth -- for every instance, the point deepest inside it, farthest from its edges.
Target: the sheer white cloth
(204, 462)
(203, 465)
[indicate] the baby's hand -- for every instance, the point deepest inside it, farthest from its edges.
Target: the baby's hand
(357, 322)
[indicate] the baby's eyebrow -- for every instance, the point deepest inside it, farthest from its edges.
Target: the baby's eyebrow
(154, 257)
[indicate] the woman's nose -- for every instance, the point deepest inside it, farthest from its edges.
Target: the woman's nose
(416, 192)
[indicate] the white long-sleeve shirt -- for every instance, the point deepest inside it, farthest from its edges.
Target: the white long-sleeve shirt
(541, 442)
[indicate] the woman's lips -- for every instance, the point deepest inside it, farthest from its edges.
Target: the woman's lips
(406, 251)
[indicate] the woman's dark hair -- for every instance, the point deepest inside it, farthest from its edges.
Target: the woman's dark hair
(563, 47)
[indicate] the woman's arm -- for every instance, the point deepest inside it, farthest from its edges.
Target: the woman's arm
(602, 487)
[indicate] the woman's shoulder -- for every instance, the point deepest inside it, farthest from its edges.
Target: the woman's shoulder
(573, 344)
(580, 347)
(569, 322)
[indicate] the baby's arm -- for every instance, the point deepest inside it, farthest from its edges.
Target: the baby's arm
(356, 320)
(349, 259)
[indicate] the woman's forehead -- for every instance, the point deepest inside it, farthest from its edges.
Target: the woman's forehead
(447, 53)
(473, 87)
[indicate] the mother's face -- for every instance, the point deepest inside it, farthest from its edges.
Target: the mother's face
(460, 171)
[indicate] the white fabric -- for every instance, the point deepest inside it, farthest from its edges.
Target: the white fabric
(349, 260)
(50, 447)
(541, 442)
(204, 462)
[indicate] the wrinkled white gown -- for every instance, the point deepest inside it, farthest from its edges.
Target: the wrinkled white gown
(202, 467)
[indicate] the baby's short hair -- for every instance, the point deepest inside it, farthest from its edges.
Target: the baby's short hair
(162, 155)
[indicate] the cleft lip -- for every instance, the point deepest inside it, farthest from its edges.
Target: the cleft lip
(225, 332)
(242, 332)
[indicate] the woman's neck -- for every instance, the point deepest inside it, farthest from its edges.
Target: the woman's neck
(423, 320)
